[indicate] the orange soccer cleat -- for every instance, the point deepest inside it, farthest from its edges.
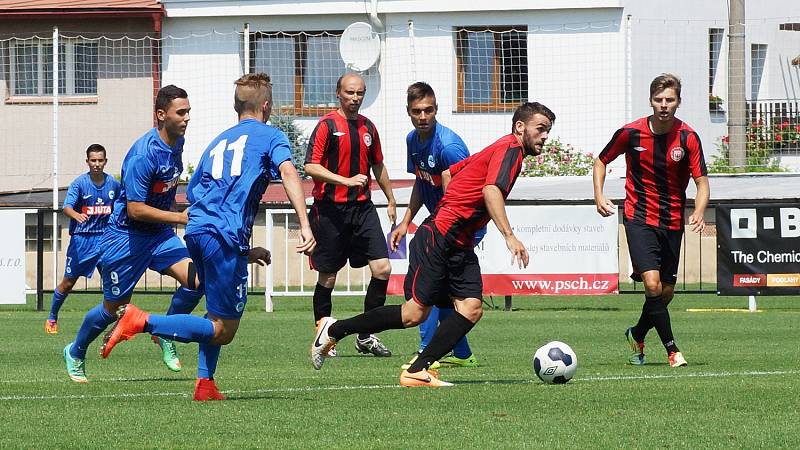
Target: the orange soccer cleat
(51, 327)
(423, 378)
(130, 322)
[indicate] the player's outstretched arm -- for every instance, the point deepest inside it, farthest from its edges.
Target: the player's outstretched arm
(145, 213)
(382, 177)
(294, 190)
(496, 206)
(697, 219)
(605, 207)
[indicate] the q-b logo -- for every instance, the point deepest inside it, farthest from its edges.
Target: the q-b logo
(745, 223)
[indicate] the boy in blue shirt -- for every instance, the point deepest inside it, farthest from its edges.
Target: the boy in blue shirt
(88, 204)
(140, 232)
(225, 192)
(432, 149)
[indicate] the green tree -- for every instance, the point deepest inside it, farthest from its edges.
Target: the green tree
(297, 140)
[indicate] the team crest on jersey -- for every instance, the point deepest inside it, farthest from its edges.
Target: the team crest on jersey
(111, 195)
(676, 154)
(367, 139)
(431, 161)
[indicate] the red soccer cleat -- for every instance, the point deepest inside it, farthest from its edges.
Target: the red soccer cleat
(130, 322)
(205, 389)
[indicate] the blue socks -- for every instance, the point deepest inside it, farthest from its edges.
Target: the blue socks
(95, 321)
(184, 301)
(207, 360)
(56, 303)
(428, 328)
(181, 327)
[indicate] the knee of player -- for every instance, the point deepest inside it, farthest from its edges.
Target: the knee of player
(652, 288)
(471, 310)
(327, 280)
(381, 269)
(413, 314)
(223, 336)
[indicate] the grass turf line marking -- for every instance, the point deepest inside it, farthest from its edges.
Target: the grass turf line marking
(395, 386)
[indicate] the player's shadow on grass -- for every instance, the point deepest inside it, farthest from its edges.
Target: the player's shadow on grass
(579, 308)
(265, 396)
(154, 379)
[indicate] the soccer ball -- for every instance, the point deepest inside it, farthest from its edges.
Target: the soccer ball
(555, 363)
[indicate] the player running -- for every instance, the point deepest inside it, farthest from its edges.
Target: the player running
(661, 154)
(225, 192)
(432, 148)
(140, 232)
(442, 259)
(89, 202)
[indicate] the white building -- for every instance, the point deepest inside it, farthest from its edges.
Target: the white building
(590, 61)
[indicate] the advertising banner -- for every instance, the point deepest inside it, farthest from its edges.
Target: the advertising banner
(12, 257)
(572, 249)
(758, 249)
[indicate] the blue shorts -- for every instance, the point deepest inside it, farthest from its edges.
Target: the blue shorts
(126, 256)
(223, 274)
(83, 254)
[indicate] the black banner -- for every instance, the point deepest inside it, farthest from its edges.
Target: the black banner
(758, 249)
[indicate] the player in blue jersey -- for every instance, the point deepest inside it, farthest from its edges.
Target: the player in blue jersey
(225, 192)
(140, 232)
(88, 205)
(432, 149)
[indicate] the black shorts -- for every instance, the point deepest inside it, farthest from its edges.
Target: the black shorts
(345, 231)
(653, 248)
(438, 270)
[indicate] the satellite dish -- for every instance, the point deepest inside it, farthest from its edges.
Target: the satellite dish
(359, 47)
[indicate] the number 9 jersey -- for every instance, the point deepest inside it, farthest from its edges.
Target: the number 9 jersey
(232, 175)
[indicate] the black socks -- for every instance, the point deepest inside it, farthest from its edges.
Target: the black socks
(447, 335)
(373, 321)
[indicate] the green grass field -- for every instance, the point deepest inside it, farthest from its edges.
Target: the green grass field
(740, 390)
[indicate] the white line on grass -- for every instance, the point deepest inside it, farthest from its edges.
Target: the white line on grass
(394, 386)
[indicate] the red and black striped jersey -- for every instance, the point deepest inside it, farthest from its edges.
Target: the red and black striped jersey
(347, 148)
(658, 170)
(462, 211)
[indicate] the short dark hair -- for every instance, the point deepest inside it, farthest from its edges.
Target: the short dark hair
(252, 90)
(95, 148)
(525, 111)
(665, 81)
(167, 94)
(418, 91)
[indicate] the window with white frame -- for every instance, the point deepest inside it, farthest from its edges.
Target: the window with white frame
(758, 55)
(492, 68)
(303, 67)
(31, 67)
(715, 36)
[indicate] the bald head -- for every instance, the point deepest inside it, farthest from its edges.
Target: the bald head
(349, 77)
(350, 89)
(253, 91)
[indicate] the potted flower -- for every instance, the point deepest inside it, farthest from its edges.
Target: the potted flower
(714, 103)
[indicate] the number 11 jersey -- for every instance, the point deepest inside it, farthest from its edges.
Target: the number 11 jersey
(232, 175)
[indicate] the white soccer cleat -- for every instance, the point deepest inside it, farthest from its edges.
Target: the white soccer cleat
(321, 347)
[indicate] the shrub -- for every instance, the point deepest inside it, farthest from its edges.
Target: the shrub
(761, 141)
(297, 140)
(558, 159)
